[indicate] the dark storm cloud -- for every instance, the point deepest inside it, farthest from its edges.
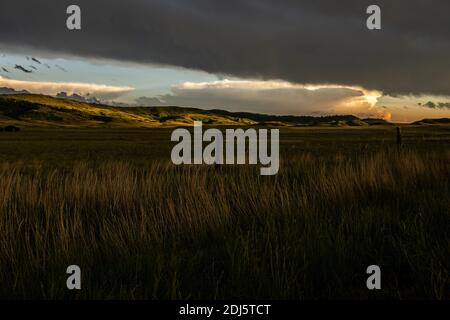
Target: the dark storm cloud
(313, 41)
(19, 67)
(435, 105)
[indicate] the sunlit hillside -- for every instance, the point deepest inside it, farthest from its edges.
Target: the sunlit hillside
(40, 110)
(28, 110)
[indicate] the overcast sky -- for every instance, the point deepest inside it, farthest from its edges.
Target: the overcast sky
(268, 56)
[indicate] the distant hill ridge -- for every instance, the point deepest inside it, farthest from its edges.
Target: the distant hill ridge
(433, 121)
(46, 111)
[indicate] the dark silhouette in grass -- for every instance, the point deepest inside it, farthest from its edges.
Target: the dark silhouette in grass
(10, 129)
(399, 136)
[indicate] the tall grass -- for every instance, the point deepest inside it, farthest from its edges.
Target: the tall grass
(166, 232)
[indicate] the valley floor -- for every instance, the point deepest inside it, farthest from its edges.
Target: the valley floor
(139, 227)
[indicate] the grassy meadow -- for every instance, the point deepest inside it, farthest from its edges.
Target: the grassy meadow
(110, 201)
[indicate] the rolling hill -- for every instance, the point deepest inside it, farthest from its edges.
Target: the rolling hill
(30, 110)
(433, 121)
